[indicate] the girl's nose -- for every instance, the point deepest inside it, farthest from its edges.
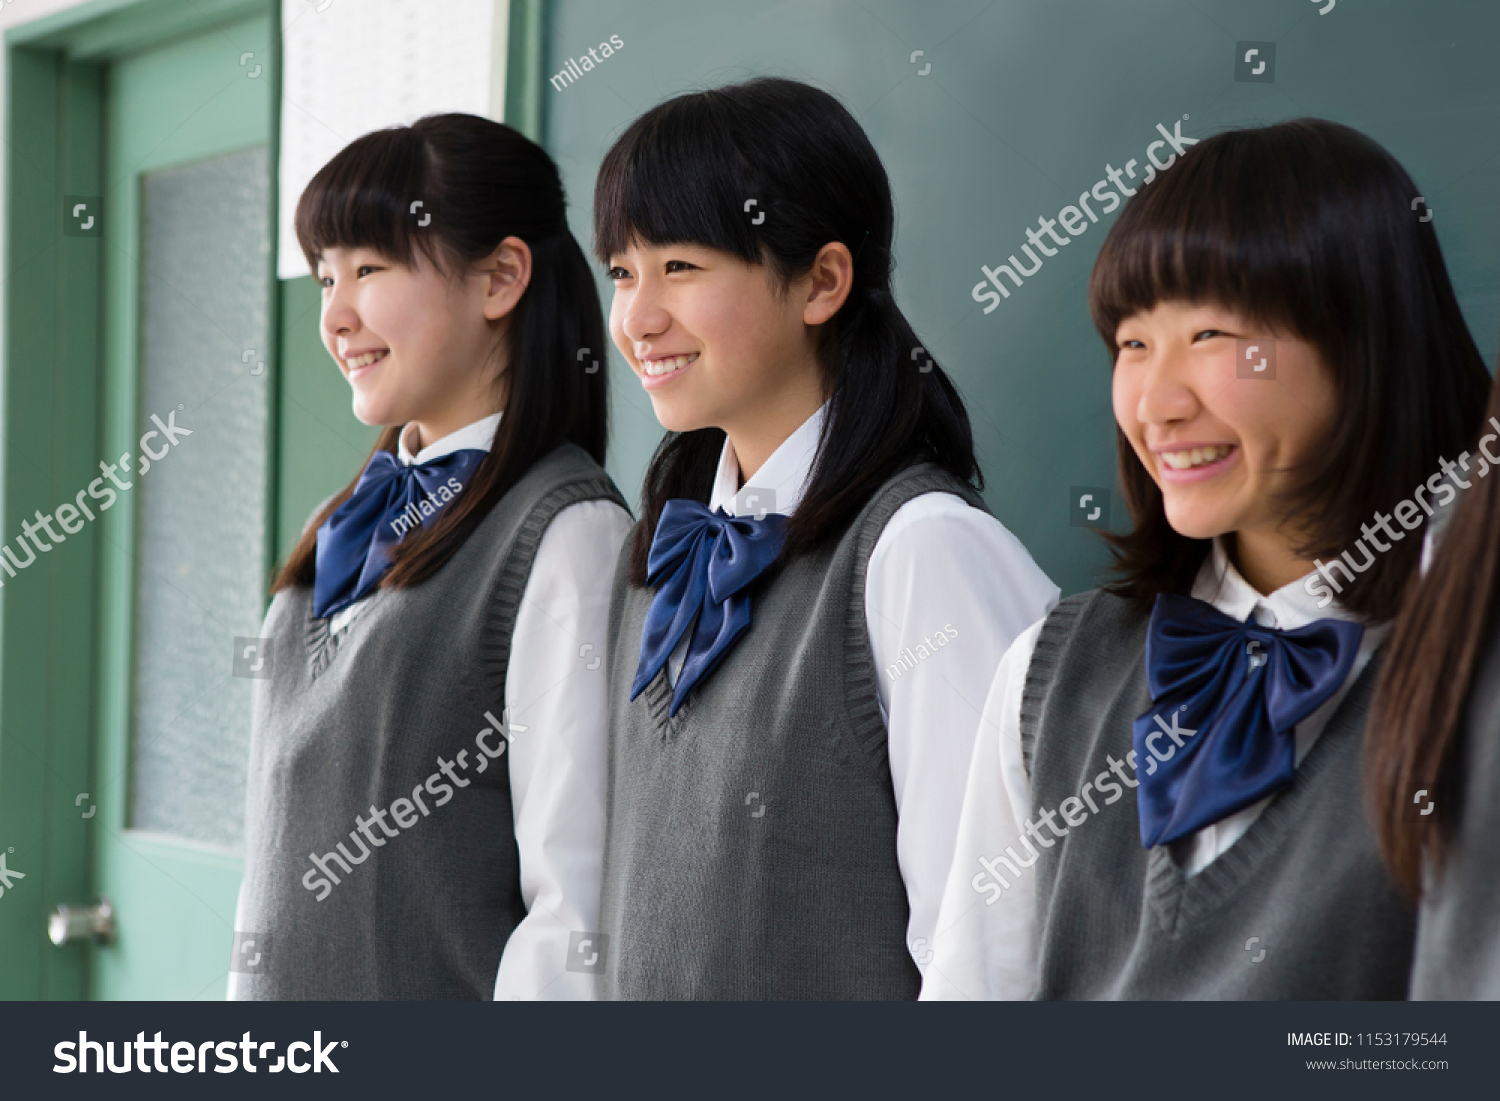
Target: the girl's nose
(1165, 395)
(339, 318)
(642, 320)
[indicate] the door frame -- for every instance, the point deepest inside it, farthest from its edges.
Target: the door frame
(60, 619)
(56, 697)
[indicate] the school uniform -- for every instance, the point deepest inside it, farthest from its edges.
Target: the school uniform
(1458, 923)
(782, 828)
(1285, 897)
(364, 880)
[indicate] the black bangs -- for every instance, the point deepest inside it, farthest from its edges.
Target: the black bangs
(676, 176)
(363, 198)
(1260, 222)
(768, 171)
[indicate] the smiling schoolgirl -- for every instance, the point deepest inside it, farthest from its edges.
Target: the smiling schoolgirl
(425, 811)
(1165, 796)
(807, 615)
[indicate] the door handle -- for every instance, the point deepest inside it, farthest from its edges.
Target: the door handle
(70, 923)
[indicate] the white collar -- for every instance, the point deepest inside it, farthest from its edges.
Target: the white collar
(781, 481)
(1289, 607)
(478, 435)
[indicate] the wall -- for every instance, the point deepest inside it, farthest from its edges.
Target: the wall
(1012, 110)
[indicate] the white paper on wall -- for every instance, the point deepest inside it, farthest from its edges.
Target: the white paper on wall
(352, 66)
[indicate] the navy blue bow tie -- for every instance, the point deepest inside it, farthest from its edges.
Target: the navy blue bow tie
(1227, 695)
(390, 500)
(708, 560)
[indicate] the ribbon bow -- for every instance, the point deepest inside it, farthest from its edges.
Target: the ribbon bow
(1227, 696)
(354, 543)
(708, 560)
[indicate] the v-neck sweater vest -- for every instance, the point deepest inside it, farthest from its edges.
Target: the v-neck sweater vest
(1458, 932)
(358, 723)
(1300, 907)
(751, 849)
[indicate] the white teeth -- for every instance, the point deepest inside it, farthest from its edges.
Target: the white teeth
(655, 367)
(366, 359)
(1197, 456)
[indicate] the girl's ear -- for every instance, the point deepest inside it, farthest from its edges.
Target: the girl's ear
(508, 269)
(830, 279)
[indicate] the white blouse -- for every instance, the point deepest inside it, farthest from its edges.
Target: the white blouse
(554, 688)
(986, 943)
(940, 570)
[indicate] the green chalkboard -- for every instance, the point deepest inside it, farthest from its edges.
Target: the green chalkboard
(1011, 110)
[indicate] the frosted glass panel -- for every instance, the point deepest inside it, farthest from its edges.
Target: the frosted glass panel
(205, 239)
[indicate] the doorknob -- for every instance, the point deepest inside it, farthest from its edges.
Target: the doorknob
(70, 923)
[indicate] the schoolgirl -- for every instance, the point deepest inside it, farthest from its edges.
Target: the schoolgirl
(1433, 759)
(1165, 799)
(807, 613)
(425, 809)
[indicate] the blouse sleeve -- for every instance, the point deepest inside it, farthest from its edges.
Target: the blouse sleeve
(985, 943)
(555, 689)
(948, 589)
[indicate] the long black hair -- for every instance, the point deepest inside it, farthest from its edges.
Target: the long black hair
(682, 173)
(480, 182)
(1306, 227)
(1414, 734)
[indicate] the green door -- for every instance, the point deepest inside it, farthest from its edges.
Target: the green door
(186, 330)
(138, 414)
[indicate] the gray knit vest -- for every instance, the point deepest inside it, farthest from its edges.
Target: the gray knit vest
(354, 723)
(1300, 907)
(1458, 928)
(751, 849)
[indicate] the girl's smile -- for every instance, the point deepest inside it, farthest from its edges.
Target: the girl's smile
(1193, 462)
(360, 363)
(717, 343)
(659, 370)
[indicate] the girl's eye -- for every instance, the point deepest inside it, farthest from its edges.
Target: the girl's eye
(1208, 334)
(680, 265)
(327, 281)
(616, 274)
(1128, 345)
